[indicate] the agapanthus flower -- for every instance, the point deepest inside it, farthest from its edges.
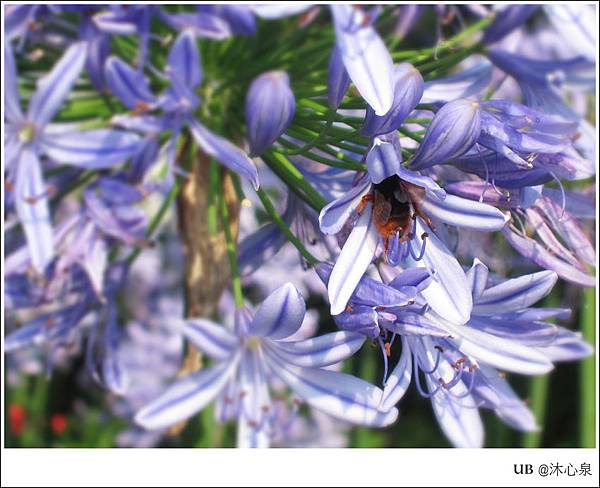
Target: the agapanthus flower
(270, 109)
(506, 20)
(521, 140)
(398, 207)
(247, 358)
(543, 85)
(460, 368)
(83, 240)
(543, 227)
(178, 103)
(30, 136)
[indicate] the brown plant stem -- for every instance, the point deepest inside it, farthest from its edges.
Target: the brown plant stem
(206, 272)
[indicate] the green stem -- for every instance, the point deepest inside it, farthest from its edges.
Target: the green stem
(587, 377)
(294, 180)
(236, 282)
(213, 178)
(538, 393)
(270, 209)
(538, 399)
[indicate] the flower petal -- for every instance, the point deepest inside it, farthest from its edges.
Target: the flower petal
(353, 261)
(338, 80)
(210, 338)
(270, 109)
(453, 130)
(259, 247)
(448, 293)
(515, 294)
(365, 56)
(567, 346)
(492, 389)
(92, 149)
(183, 63)
(225, 152)
(477, 277)
(186, 396)
(464, 84)
(280, 314)
(129, 85)
(340, 395)
(383, 159)
(12, 106)
(408, 89)
(541, 256)
(498, 352)
(31, 204)
(320, 351)
(53, 88)
(334, 215)
(461, 212)
(458, 417)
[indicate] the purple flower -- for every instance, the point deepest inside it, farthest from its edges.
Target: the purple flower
(270, 109)
(515, 133)
(178, 102)
(408, 90)
(396, 206)
(561, 245)
(28, 136)
(507, 20)
(247, 360)
(453, 130)
(460, 367)
(128, 20)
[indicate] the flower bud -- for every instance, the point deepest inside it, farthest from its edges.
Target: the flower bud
(408, 90)
(453, 130)
(270, 108)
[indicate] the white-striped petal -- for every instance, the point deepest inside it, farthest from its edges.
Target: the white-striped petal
(353, 261)
(515, 294)
(280, 314)
(210, 338)
(320, 351)
(448, 293)
(339, 395)
(31, 204)
(186, 396)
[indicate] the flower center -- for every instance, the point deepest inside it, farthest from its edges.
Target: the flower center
(27, 133)
(253, 342)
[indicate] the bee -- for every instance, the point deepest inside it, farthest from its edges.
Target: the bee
(396, 203)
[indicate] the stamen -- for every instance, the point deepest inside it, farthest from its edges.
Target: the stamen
(422, 392)
(470, 385)
(385, 360)
(562, 194)
(424, 236)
